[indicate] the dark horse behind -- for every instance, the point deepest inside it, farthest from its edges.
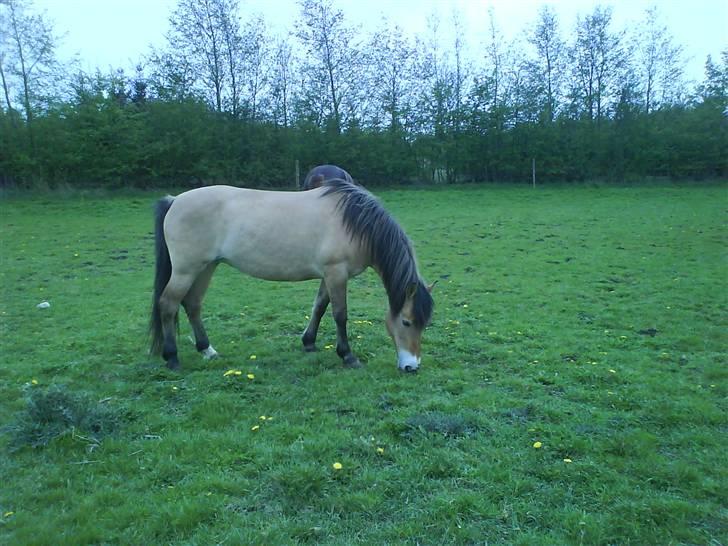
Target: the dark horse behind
(323, 173)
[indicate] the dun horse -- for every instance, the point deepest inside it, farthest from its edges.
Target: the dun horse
(318, 175)
(331, 233)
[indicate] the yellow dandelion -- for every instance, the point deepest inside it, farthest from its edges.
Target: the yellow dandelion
(174, 388)
(253, 357)
(231, 372)
(262, 418)
(251, 376)
(328, 346)
(8, 514)
(612, 371)
(337, 466)
(33, 381)
(465, 306)
(255, 428)
(380, 450)
(537, 445)
(567, 461)
(269, 418)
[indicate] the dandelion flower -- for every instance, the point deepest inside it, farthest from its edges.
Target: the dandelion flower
(337, 466)
(232, 372)
(253, 357)
(567, 461)
(255, 428)
(251, 376)
(33, 381)
(328, 346)
(174, 388)
(380, 450)
(262, 417)
(612, 371)
(8, 514)
(537, 445)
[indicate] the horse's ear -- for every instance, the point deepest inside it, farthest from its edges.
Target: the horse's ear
(411, 290)
(430, 287)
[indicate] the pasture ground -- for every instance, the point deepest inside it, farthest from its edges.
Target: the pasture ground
(589, 321)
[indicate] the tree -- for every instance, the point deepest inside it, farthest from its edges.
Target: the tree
(172, 77)
(658, 62)
(596, 57)
(392, 65)
(204, 34)
(281, 82)
(255, 53)
(27, 57)
(547, 67)
(332, 65)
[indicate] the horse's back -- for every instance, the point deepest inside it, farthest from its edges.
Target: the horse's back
(268, 234)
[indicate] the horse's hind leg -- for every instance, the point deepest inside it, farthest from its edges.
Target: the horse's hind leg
(192, 303)
(319, 308)
(169, 301)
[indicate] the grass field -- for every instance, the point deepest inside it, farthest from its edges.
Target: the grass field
(572, 391)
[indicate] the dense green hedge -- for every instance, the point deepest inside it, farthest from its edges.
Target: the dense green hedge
(107, 142)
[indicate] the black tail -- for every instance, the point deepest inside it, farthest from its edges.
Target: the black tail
(162, 273)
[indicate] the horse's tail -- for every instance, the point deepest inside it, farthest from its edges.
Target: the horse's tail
(162, 273)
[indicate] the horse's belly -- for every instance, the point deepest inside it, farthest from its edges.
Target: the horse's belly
(273, 260)
(276, 272)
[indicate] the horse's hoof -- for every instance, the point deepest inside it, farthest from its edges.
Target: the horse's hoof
(173, 365)
(310, 348)
(352, 362)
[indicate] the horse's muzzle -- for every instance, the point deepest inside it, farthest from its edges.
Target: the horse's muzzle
(407, 362)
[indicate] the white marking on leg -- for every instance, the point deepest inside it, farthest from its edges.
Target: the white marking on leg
(209, 353)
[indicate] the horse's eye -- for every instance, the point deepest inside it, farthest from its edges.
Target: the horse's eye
(406, 323)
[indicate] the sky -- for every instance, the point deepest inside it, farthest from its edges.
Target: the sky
(117, 33)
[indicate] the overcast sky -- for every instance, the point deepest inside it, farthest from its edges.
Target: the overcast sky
(116, 33)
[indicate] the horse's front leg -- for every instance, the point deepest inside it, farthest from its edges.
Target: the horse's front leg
(319, 308)
(336, 285)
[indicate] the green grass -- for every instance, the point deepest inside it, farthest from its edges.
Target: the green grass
(592, 320)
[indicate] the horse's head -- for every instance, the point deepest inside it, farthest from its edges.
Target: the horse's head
(407, 325)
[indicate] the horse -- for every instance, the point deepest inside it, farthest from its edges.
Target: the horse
(332, 233)
(318, 175)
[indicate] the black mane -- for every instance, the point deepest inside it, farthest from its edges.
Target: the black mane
(389, 247)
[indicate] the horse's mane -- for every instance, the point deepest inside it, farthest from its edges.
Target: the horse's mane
(389, 247)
